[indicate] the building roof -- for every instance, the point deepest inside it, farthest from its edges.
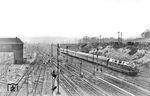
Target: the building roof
(10, 41)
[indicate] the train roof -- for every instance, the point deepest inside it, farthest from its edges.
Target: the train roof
(102, 57)
(82, 53)
(122, 62)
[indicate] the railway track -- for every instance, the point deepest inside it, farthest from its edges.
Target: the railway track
(4, 70)
(132, 88)
(23, 79)
(115, 91)
(67, 85)
(87, 87)
(47, 85)
(104, 86)
(125, 85)
(21, 82)
(113, 86)
(38, 79)
(36, 82)
(120, 85)
(42, 79)
(74, 85)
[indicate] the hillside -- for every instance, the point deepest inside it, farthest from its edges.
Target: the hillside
(141, 40)
(50, 40)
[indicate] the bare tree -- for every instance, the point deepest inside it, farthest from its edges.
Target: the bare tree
(146, 34)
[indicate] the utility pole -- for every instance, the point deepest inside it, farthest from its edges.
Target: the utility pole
(100, 39)
(101, 67)
(118, 36)
(97, 54)
(93, 65)
(81, 68)
(121, 39)
(54, 75)
(97, 59)
(52, 53)
(27, 84)
(58, 68)
(67, 54)
(118, 39)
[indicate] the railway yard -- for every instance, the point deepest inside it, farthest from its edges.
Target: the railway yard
(74, 48)
(72, 76)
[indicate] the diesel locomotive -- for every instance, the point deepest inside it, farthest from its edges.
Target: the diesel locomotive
(128, 68)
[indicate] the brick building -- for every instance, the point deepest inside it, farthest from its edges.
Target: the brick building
(14, 45)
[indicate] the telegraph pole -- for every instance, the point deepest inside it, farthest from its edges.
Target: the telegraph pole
(118, 39)
(118, 36)
(67, 54)
(27, 84)
(52, 53)
(93, 65)
(53, 72)
(54, 75)
(100, 38)
(58, 68)
(97, 56)
(81, 69)
(97, 59)
(121, 39)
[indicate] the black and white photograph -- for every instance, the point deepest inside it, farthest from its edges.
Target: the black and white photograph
(74, 47)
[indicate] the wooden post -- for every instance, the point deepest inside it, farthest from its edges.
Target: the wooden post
(27, 89)
(58, 69)
(97, 63)
(93, 65)
(80, 67)
(121, 39)
(52, 53)
(97, 59)
(118, 39)
(67, 55)
(101, 67)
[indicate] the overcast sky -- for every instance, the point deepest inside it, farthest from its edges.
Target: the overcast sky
(73, 18)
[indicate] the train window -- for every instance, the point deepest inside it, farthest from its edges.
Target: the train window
(120, 61)
(125, 63)
(133, 64)
(128, 63)
(110, 60)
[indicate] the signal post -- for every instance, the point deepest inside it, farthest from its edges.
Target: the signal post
(58, 70)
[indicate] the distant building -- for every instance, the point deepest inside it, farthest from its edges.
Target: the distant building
(14, 45)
